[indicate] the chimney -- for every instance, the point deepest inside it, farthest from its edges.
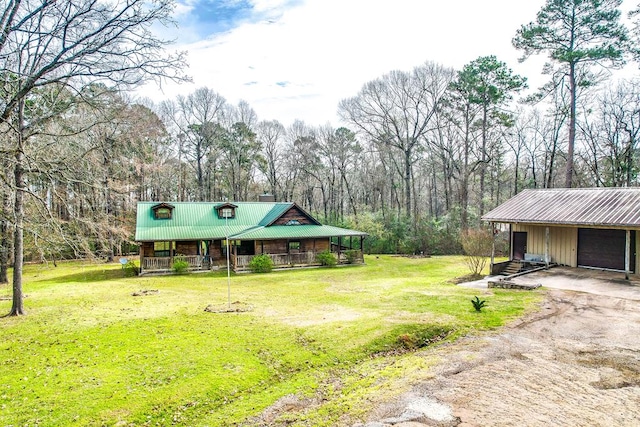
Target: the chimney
(266, 198)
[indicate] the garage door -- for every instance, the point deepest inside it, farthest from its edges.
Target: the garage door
(603, 248)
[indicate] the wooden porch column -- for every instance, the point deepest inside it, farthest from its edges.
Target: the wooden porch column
(141, 257)
(235, 255)
(171, 254)
(288, 252)
(546, 247)
(627, 253)
(493, 247)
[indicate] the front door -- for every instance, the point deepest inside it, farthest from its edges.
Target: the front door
(519, 244)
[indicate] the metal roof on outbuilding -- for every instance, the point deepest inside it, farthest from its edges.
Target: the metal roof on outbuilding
(602, 207)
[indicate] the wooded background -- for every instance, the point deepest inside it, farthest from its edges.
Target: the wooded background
(420, 156)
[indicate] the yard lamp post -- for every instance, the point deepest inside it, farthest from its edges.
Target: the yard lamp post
(226, 226)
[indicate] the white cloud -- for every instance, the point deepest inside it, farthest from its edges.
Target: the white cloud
(302, 62)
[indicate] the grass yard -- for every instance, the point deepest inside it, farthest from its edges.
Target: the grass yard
(317, 344)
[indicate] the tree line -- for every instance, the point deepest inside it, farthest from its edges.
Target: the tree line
(419, 157)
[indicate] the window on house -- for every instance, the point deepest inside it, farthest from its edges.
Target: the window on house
(163, 213)
(227, 212)
(293, 222)
(162, 249)
(294, 246)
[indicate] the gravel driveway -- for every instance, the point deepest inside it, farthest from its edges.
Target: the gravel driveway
(575, 362)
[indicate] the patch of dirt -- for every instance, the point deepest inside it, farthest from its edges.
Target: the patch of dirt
(144, 292)
(574, 362)
(412, 256)
(234, 307)
(274, 414)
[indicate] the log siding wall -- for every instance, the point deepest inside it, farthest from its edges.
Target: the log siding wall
(293, 214)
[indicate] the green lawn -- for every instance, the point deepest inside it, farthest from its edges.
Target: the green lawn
(90, 353)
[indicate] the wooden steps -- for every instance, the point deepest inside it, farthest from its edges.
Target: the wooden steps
(514, 267)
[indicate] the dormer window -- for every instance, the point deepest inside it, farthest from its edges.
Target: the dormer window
(226, 211)
(293, 222)
(163, 211)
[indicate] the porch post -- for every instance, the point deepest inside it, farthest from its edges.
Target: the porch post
(141, 257)
(627, 252)
(493, 247)
(546, 247)
(235, 255)
(171, 253)
(510, 242)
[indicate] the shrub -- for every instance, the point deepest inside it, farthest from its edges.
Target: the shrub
(261, 264)
(477, 247)
(180, 266)
(131, 269)
(327, 259)
(351, 255)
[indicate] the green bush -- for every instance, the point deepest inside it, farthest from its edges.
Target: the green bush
(327, 259)
(180, 266)
(351, 255)
(261, 264)
(131, 269)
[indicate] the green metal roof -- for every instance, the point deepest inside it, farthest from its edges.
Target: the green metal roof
(296, 231)
(199, 221)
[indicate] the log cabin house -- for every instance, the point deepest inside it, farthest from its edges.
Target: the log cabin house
(197, 232)
(576, 227)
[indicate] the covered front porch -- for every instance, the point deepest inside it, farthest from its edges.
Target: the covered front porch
(207, 255)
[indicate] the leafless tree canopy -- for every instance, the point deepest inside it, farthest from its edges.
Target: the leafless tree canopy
(419, 155)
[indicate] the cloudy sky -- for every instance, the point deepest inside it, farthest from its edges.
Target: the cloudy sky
(296, 59)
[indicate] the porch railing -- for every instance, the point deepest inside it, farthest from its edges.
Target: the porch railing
(241, 262)
(292, 259)
(164, 263)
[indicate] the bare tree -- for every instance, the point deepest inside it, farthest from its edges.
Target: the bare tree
(396, 111)
(70, 43)
(270, 136)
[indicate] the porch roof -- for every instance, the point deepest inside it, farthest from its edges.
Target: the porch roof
(296, 232)
(591, 207)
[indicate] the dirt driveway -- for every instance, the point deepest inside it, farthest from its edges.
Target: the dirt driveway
(575, 362)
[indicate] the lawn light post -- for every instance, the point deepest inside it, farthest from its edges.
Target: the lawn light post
(226, 226)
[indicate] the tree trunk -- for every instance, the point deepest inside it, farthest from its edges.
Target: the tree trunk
(17, 308)
(483, 158)
(407, 182)
(4, 251)
(572, 126)
(4, 238)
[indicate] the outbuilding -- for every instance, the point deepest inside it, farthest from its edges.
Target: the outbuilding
(576, 227)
